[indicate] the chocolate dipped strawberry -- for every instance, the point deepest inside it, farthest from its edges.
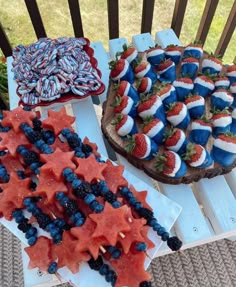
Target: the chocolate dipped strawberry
(121, 70)
(224, 149)
(200, 132)
(144, 85)
(124, 88)
(154, 128)
(173, 53)
(129, 53)
(221, 121)
(189, 67)
(221, 99)
(178, 115)
(194, 50)
(167, 93)
(167, 71)
(144, 69)
(183, 87)
(232, 90)
(170, 164)
(124, 125)
(203, 86)
(141, 146)
(222, 82)
(151, 105)
(231, 73)
(197, 156)
(175, 140)
(195, 105)
(233, 125)
(155, 55)
(124, 105)
(212, 65)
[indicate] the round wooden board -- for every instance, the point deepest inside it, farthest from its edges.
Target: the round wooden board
(193, 174)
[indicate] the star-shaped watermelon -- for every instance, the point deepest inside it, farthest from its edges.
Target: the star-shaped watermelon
(40, 254)
(16, 190)
(113, 175)
(67, 255)
(63, 146)
(57, 121)
(129, 269)
(111, 223)
(17, 117)
(140, 196)
(6, 208)
(85, 240)
(93, 146)
(90, 169)
(49, 185)
(11, 163)
(11, 140)
(56, 162)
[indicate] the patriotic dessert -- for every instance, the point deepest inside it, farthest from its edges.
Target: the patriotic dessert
(80, 208)
(55, 70)
(184, 111)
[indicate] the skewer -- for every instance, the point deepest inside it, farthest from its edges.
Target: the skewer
(130, 220)
(102, 249)
(122, 235)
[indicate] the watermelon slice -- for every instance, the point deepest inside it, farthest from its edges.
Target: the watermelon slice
(93, 146)
(11, 163)
(63, 146)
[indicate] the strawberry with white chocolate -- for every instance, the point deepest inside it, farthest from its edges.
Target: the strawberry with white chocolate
(154, 128)
(232, 90)
(203, 86)
(151, 105)
(155, 55)
(124, 88)
(222, 82)
(141, 146)
(175, 140)
(212, 65)
(167, 93)
(144, 69)
(224, 149)
(167, 71)
(144, 85)
(124, 125)
(197, 156)
(121, 70)
(221, 121)
(124, 105)
(129, 54)
(170, 164)
(194, 50)
(221, 99)
(231, 73)
(195, 105)
(173, 53)
(200, 132)
(178, 115)
(183, 87)
(189, 67)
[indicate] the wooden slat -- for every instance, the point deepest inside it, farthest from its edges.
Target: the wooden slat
(35, 17)
(76, 18)
(147, 16)
(178, 16)
(206, 20)
(4, 42)
(227, 32)
(113, 18)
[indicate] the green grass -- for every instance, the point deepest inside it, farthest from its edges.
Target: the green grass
(57, 21)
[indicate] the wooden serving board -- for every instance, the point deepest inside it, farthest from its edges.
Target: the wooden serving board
(118, 144)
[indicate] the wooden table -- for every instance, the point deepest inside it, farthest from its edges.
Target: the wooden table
(209, 206)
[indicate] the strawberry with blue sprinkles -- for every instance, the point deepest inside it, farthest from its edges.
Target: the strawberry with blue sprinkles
(200, 131)
(197, 156)
(124, 125)
(221, 99)
(203, 86)
(178, 115)
(195, 105)
(183, 87)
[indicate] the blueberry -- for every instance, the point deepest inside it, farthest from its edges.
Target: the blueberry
(79, 222)
(156, 227)
(32, 231)
(99, 208)
(76, 183)
(60, 195)
(124, 190)
(89, 198)
(17, 213)
(27, 201)
(52, 269)
(165, 236)
(138, 205)
(141, 246)
(71, 177)
(32, 240)
(116, 204)
(116, 254)
(54, 231)
(67, 171)
(57, 238)
(104, 269)
(66, 132)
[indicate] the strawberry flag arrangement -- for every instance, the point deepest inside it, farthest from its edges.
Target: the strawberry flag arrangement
(71, 205)
(171, 112)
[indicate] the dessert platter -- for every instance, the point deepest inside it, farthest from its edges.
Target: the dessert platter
(172, 112)
(55, 71)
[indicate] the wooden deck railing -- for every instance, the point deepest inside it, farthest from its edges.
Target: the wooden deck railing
(146, 24)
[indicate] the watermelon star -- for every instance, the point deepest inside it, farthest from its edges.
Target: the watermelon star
(57, 162)
(93, 146)
(111, 222)
(6, 208)
(85, 240)
(140, 196)
(67, 255)
(40, 254)
(90, 169)
(11, 140)
(11, 163)
(16, 190)
(136, 273)
(114, 177)
(49, 185)
(17, 117)
(57, 121)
